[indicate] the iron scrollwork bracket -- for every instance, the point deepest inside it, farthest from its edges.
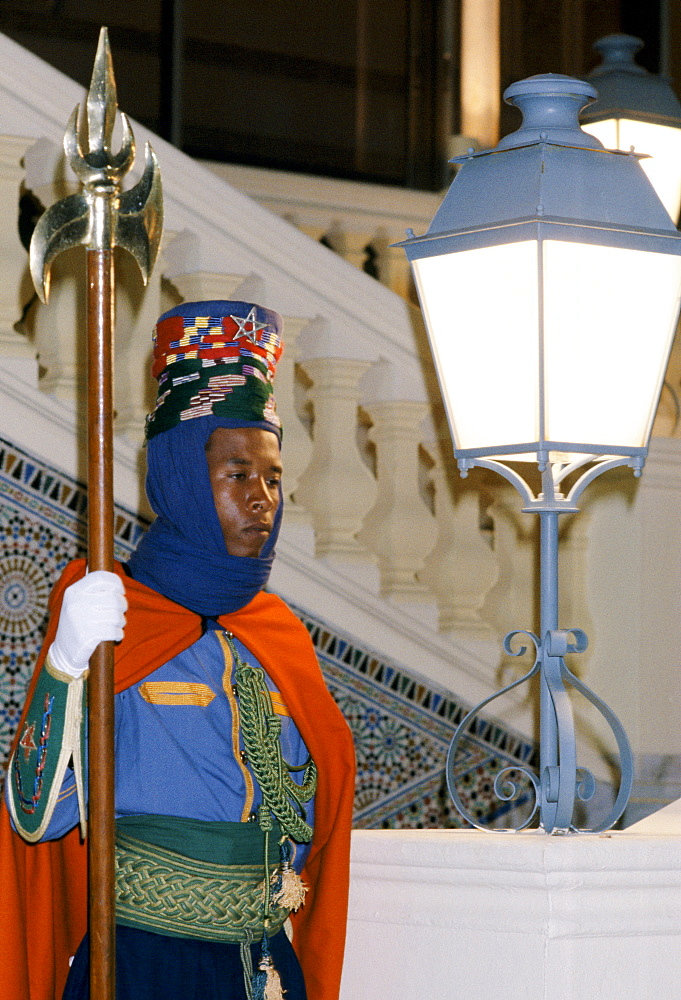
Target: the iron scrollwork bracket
(561, 782)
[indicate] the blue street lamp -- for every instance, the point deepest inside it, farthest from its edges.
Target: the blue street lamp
(550, 280)
(637, 109)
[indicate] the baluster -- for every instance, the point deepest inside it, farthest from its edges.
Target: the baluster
(297, 446)
(348, 244)
(399, 529)
(15, 288)
(393, 267)
(511, 602)
(334, 237)
(59, 329)
(137, 309)
(355, 249)
(336, 488)
(573, 562)
(462, 568)
(396, 272)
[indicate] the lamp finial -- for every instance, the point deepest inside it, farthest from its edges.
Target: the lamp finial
(618, 53)
(550, 104)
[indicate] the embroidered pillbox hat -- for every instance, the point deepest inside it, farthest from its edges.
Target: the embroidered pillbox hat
(215, 358)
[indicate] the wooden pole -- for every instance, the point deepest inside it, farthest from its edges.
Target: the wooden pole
(101, 217)
(100, 326)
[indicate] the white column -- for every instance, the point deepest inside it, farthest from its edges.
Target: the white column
(462, 568)
(399, 529)
(59, 333)
(480, 71)
(16, 288)
(336, 488)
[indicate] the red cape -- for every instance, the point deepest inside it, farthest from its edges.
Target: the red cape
(43, 887)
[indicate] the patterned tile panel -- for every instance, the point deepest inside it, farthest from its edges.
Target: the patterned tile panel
(402, 727)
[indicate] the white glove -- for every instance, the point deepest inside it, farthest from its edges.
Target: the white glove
(93, 609)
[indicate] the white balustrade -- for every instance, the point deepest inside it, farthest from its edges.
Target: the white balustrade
(348, 215)
(399, 529)
(335, 237)
(336, 488)
(59, 337)
(440, 557)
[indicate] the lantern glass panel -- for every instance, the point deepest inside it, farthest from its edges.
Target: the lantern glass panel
(609, 319)
(481, 311)
(663, 146)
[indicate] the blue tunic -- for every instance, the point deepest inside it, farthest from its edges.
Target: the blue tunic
(178, 745)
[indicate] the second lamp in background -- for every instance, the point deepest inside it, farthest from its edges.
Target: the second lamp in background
(637, 109)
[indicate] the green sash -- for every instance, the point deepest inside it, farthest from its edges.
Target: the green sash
(215, 894)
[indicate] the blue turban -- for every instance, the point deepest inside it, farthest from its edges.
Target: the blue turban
(183, 555)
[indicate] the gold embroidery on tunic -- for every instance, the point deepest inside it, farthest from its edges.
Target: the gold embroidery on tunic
(236, 748)
(279, 705)
(176, 693)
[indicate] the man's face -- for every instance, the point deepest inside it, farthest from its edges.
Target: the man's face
(244, 466)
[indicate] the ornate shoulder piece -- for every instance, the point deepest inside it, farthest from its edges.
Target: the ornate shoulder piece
(51, 736)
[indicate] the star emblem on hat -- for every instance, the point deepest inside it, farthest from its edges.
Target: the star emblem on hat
(27, 742)
(248, 327)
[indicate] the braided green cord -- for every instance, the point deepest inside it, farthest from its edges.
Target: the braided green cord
(261, 729)
(265, 821)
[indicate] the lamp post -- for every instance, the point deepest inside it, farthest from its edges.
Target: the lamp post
(549, 280)
(637, 109)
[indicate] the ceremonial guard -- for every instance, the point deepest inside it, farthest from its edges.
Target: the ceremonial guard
(234, 767)
(222, 833)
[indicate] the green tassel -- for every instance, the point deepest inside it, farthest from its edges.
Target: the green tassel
(288, 889)
(266, 981)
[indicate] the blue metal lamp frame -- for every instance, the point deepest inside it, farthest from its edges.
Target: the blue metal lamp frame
(548, 181)
(561, 782)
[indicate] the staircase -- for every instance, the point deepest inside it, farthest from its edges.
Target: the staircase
(382, 545)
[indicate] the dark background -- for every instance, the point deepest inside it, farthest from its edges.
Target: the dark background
(363, 89)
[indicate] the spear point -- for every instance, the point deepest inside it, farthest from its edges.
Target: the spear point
(101, 216)
(102, 99)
